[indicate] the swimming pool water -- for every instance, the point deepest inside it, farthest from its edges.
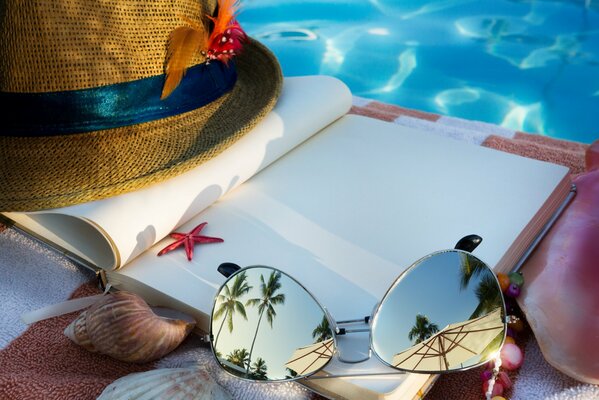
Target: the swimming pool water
(529, 65)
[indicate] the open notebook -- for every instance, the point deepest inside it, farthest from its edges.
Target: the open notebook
(343, 204)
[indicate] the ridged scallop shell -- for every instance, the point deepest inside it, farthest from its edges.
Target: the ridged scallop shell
(169, 383)
(124, 327)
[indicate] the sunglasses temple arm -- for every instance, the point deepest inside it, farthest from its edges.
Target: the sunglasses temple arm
(364, 320)
(343, 331)
(331, 376)
(468, 243)
(545, 229)
(228, 268)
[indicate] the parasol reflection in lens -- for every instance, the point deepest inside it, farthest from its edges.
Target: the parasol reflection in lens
(445, 313)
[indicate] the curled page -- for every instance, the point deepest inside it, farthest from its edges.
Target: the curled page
(109, 233)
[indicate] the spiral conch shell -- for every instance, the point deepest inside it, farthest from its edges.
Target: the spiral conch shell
(123, 326)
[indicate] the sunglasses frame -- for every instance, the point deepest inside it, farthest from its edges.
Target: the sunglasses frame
(369, 320)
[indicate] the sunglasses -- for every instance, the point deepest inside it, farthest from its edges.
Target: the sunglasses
(444, 313)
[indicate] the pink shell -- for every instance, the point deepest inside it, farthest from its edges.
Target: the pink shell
(561, 294)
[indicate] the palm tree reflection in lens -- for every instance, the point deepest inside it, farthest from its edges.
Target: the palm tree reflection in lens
(323, 331)
(488, 296)
(422, 329)
(266, 303)
(259, 370)
(229, 303)
(294, 316)
(238, 357)
(470, 267)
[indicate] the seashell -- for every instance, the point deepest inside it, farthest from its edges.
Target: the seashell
(121, 325)
(561, 295)
(168, 383)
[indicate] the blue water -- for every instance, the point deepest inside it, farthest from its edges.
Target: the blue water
(527, 65)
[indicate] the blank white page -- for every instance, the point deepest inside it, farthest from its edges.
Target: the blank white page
(350, 209)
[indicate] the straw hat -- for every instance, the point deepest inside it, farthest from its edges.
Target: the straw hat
(81, 84)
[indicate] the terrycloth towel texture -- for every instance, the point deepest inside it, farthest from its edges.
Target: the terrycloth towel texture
(44, 363)
(39, 362)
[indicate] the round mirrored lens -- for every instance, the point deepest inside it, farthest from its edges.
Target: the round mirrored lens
(445, 313)
(266, 326)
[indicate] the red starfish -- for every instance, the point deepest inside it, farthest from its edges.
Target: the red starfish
(189, 240)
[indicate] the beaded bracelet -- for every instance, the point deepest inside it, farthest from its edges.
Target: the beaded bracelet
(511, 356)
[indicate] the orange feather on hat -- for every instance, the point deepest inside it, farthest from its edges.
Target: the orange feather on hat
(184, 43)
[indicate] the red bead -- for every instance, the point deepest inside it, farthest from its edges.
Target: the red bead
(505, 380)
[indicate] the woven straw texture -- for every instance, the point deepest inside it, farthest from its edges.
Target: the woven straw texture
(54, 45)
(56, 171)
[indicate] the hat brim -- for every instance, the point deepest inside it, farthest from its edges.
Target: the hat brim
(56, 171)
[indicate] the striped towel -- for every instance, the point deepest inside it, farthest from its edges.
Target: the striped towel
(39, 362)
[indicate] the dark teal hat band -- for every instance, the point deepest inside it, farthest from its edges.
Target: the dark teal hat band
(113, 106)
